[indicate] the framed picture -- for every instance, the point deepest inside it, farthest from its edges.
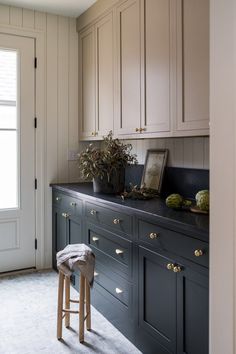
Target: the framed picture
(154, 168)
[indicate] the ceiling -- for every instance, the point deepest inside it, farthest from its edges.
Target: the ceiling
(72, 8)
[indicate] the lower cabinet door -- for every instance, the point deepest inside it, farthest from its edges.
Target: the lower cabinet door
(157, 298)
(60, 230)
(74, 231)
(192, 312)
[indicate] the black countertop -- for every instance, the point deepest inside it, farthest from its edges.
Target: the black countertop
(195, 225)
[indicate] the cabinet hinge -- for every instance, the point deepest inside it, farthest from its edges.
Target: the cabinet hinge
(35, 62)
(36, 244)
(35, 183)
(35, 122)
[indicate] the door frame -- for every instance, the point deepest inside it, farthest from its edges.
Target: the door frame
(40, 113)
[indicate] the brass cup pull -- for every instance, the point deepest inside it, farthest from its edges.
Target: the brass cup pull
(118, 251)
(116, 221)
(58, 199)
(170, 266)
(119, 291)
(153, 235)
(137, 130)
(93, 212)
(65, 215)
(96, 274)
(73, 204)
(95, 239)
(177, 269)
(198, 253)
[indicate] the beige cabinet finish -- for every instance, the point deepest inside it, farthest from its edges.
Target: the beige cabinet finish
(192, 67)
(96, 79)
(87, 84)
(128, 27)
(157, 66)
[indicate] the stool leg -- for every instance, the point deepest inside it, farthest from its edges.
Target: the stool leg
(81, 308)
(60, 305)
(67, 301)
(88, 306)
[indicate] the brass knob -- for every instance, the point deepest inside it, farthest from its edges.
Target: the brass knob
(153, 235)
(116, 221)
(58, 198)
(198, 253)
(118, 251)
(95, 274)
(93, 133)
(93, 212)
(65, 215)
(177, 269)
(95, 239)
(119, 291)
(170, 266)
(73, 204)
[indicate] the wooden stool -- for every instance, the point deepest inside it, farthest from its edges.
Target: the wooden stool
(84, 291)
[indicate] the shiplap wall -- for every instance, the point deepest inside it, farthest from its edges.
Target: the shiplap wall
(61, 121)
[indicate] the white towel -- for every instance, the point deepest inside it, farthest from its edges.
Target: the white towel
(77, 257)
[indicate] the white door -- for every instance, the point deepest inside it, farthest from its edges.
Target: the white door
(17, 153)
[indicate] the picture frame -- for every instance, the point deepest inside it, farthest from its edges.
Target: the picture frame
(154, 167)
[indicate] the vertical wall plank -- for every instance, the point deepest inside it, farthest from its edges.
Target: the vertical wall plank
(16, 16)
(63, 101)
(188, 152)
(206, 163)
(198, 152)
(40, 20)
(28, 18)
(178, 152)
(73, 98)
(4, 15)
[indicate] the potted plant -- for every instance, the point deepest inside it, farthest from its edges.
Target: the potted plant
(106, 165)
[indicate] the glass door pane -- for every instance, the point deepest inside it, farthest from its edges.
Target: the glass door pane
(9, 149)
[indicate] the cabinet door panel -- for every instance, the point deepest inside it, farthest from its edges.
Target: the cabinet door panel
(105, 73)
(60, 228)
(193, 309)
(87, 83)
(193, 64)
(157, 68)
(129, 64)
(74, 231)
(157, 298)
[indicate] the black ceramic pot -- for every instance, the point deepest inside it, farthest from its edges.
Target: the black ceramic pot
(115, 184)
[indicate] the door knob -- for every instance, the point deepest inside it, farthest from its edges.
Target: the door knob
(170, 266)
(118, 251)
(153, 235)
(198, 253)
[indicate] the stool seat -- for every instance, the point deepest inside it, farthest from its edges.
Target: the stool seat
(65, 271)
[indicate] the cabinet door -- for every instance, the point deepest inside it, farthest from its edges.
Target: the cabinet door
(192, 313)
(87, 83)
(128, 28)
(193, 66)
(59, 230)
(105, 75)
(74, 231)
(157, 298)
(157, 66)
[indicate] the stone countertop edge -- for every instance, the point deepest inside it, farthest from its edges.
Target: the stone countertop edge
(194, 225)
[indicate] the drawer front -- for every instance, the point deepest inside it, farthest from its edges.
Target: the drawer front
(174, 242)
(70, 205)
(115, 285)
(115, 219)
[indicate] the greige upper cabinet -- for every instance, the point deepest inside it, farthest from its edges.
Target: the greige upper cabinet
(192, 67)
(128, 103)
(97, 79)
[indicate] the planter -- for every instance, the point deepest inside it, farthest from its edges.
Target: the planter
(115, 184)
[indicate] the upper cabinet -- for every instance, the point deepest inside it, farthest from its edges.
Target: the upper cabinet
(192, 67)
(144, 69)
(96, 75)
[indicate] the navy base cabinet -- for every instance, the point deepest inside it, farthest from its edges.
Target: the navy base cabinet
(151, 274)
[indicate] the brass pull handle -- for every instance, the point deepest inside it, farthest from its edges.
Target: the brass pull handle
(58, 198)
(153, 235)
(95, 239)
(93, 212)
(116, 221)
(198, 253)
(118, 251)
(96, 274)
(73, 204)
(65, 215)
(119, 291)
(177, 269)
(170, 266)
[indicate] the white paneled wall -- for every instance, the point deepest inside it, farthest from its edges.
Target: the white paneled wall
(183, 152)
(61, 111)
